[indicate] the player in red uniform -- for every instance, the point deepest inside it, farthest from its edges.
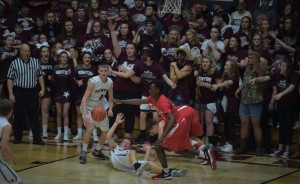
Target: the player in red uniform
(177, 125)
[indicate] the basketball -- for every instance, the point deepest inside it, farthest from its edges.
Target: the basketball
(98, 113)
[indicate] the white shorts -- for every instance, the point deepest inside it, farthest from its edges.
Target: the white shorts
(103, 125)
(212, 107)
(147, 107)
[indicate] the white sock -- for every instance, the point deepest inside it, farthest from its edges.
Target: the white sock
(166, 170)
(194, 142)
(45, 128)
(84, 147)
(98, 147)
(95, 132)
(66, 128)
(59, 130)
(79, 131)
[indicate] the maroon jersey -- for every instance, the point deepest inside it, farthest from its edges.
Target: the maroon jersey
(181, 26)
(148, 74)
(63, 83)
(7, 22)
(202, 34)
(153, 40)
(23, 38)
(236, 56)
(167, 51)
(232, 101)
(282, 83)
(84, 74)
(10, 55)
(125, 84)
(99, 45)
(138, 16)
(208, 96)
(184, 87)
(67, 40)
(113, 9)
(80, 26)
(27, 23)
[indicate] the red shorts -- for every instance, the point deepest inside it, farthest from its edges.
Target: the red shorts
(191, 116)
(178, 138)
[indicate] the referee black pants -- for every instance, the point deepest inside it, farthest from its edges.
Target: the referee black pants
(26, 102)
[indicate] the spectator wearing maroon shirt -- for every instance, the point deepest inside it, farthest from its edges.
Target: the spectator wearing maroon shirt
(25, 18)
(148, 37)
(124, 36)
(68, 36)
(62, 82)
(137, 13)
(51, 28)
(207, 76)
(59, 13)
(20, 37)
(268, 41)
(82, 73)
(97, 41)
(226, 29)
(113, 8)
(235, 53)
(229, 84)
(287, 98)
(176, 22)
(93, 11)
(125, 88)
(181, 73)
(193, 42)
(256, 44)
(7, 55)
(7, 20)
(245, 32)
(203, 32)
(167, 49)
(103, 18)
(150, 13)
(124, 18)
(81, 20)
(47, 70)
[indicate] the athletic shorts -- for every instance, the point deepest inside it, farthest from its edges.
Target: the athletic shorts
(178, 139)
(191, 115)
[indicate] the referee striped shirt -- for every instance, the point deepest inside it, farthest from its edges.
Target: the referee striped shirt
(24, 75)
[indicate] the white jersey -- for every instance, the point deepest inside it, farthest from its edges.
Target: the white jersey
(120, 159)
(3, 123)
(99, 92)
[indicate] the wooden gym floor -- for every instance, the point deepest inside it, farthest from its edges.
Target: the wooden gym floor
(58, 163)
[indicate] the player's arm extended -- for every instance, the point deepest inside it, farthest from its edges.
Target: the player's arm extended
(132, 101)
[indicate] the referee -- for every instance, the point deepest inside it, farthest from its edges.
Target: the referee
(23, 75)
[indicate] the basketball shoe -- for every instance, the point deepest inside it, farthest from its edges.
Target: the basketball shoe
(140, 167)
(210, 156)
(77, 137)
(178, 172)
(82, 157)
(100, 155)
(163, 176)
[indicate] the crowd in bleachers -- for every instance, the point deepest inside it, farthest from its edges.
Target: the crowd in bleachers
(235, 63)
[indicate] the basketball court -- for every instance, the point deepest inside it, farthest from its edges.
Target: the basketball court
(58, 162)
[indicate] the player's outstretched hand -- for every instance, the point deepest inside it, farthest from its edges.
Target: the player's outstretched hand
(120, 118)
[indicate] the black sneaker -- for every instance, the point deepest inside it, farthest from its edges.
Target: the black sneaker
(140, 167)
(100, 155)
(162, 176)
(82, 157)
(140, 139)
